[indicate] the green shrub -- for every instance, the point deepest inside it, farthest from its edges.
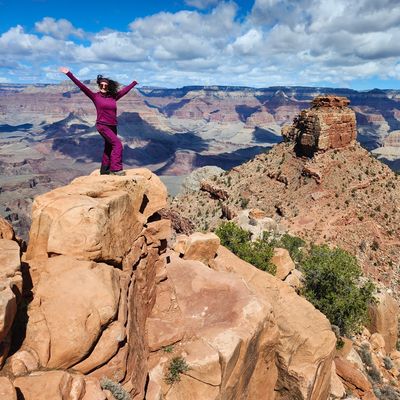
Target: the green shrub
(115, 388)
(237, 240)
(177, 366)
(332, 286)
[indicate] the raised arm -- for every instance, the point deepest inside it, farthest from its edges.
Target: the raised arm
(125, 90)
(77, 82)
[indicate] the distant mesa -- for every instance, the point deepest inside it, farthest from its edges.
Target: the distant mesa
(328, 124)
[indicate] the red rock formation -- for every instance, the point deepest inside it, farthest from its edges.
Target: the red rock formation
(329, 124)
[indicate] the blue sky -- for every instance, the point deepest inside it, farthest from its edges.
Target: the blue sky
(259, 43)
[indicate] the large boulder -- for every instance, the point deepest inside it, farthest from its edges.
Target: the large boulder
(74, 301)
(306, 346)
(94, 254)
(226, 334)
(54, 385)
(384, 319)
(95, 217)
(10, 287)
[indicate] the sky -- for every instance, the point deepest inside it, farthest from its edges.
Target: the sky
(258, 43)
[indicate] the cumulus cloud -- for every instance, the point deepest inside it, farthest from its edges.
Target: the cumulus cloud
(202, 4)
(279, 42)
(59, 29)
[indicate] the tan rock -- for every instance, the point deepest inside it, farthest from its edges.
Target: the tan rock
(204, 362)
(94, 217)
(23, 361)
(384, 319)
(307, 344)
(232, 335)
(157, 231)
(256, 213)
(352, 377)
(337, 388)
(377, 342)
(73, 301)
(162, 333)
(180, 243)
(115, 369)
(295, 279)
(105, 349)
(283, 262)
(93, 390)
(329, 124)
(192, 389)
(156, 192)
(10, 262)
(345, 350)
(7, 390)
(54, 385)
(6, 230)
(201, 247)
(8, 309)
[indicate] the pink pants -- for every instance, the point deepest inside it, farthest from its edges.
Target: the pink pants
(112, 155)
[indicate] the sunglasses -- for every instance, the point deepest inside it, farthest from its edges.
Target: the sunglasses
(103, 85)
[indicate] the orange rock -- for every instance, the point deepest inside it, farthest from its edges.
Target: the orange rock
(73, 301)
(93, 390)
(201, 247)
(94, 217)
(54, 385)
(305, 351)
(7, 390)
(384, 318)
(284, 264)
(6, 230)
(352, 377)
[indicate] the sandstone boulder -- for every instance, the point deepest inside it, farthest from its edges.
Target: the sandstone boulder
(307, 345)
(95, 217)
(7, 390)
(283, 262)
(10, 285)
(73, 302)
(201, 247)
(54, 385)
(228, 335)
(384, 319)
(6, 230)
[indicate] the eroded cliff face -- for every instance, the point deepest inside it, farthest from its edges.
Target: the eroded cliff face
(108, 298)
(328, 124)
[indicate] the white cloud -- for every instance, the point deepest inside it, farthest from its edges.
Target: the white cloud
(202, 4)
(279, 42)
(59, 29)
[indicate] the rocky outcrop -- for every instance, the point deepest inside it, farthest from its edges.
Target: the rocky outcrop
(93, 256)
(384, 319)
(305, 350)
(223, 330)
(10, 285)
(329, 124)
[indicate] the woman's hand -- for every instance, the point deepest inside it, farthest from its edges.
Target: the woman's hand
(64, 70)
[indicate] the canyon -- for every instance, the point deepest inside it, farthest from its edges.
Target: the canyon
(109, 300)
(47, 132)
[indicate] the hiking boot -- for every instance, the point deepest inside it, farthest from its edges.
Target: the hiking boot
(121, 172)
(104, 170)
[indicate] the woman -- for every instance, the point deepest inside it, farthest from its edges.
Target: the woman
(105, 102)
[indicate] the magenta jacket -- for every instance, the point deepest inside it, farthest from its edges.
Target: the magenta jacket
(106, 106)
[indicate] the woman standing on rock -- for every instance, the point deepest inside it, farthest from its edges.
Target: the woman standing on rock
(105, 102)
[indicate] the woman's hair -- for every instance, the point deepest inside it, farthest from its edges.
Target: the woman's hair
(113, 86)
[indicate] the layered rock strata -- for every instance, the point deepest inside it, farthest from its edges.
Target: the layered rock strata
(328, 124)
